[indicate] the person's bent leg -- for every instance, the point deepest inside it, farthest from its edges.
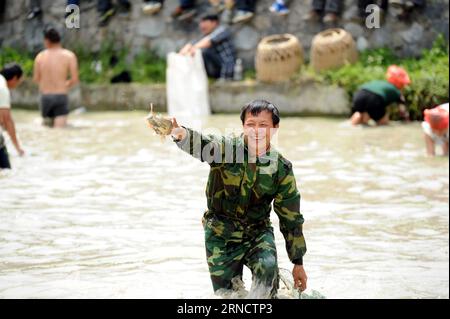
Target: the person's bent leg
(262, 261)
(445, 149)
(246, 5)
(429, 144)
(359, 107)
(356, 118)
(75, 2)
(34, 9)
(245, 11)
(318, 5)
(125, 5)
(212, 63)
(384, 120)
(185, 10)
(362, 5)
(35, 4)
(332, 10)
(365, 118)
(187, 4)
(333, 6)
(103, 6)
(224, 262)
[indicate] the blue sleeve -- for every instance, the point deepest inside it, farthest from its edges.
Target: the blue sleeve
(220, 34)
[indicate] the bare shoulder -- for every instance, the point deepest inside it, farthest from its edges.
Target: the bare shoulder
(69, 54)
(40, 55)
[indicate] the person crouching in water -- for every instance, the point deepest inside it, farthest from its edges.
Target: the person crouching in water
(10, 78)
(373, 98)
(435, 129)
(52, 68)
(246, 175)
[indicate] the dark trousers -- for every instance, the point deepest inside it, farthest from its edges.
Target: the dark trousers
(418, 3)
(246, 5)
(332, 6)
(35, 4)
(2, 8)
(187, 4)
(4, 158)
(105, 5)
(212, 63)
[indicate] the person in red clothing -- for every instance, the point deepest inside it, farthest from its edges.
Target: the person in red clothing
(435, 129)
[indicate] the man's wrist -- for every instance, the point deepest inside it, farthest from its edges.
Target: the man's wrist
(180, 137)
(298, 261)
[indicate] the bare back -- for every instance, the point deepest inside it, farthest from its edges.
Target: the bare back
(52, 69)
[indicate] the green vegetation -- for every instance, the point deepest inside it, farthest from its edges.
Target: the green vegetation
(429, 73)
(96, 67)
(25, 59)
(145, 67)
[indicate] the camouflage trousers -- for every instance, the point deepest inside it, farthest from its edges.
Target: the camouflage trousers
(227, 251)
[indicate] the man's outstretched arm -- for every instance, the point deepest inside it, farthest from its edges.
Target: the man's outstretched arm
(205, 147)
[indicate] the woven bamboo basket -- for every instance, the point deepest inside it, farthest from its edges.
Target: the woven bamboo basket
(278, 57)
(333, 48)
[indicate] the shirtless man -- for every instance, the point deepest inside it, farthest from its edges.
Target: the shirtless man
(52, 68)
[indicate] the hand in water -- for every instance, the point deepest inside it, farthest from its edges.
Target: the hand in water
(300, 277)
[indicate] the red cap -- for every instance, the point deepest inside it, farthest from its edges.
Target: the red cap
(437, 118)
(397, 76)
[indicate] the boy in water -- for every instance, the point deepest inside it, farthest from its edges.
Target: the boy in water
(247, 174)
(435, 129)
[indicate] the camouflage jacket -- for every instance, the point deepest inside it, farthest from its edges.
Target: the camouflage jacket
(241, 189)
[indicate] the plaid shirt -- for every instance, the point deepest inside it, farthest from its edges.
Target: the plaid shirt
(223, 45)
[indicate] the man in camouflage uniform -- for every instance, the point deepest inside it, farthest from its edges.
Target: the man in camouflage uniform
(243, 181)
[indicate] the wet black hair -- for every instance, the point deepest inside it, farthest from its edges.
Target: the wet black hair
(52, 35)
(257, 106)
(210, 16)
(11, 70)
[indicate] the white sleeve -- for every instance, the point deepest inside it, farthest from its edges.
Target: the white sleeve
(5, 99)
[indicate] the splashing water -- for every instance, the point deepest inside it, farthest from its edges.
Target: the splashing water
(105, 210)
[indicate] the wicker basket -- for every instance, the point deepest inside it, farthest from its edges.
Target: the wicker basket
(278, 57)
(333, 48)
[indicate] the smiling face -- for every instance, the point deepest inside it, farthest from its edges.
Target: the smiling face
(259, 129)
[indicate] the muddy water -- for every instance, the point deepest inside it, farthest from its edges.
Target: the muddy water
(107, 210)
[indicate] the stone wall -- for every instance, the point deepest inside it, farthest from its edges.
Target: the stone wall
(304, 97)
(141, 32)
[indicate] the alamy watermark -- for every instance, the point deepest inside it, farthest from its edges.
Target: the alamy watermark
(373, 19)
(73, 16)
(232, 149)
